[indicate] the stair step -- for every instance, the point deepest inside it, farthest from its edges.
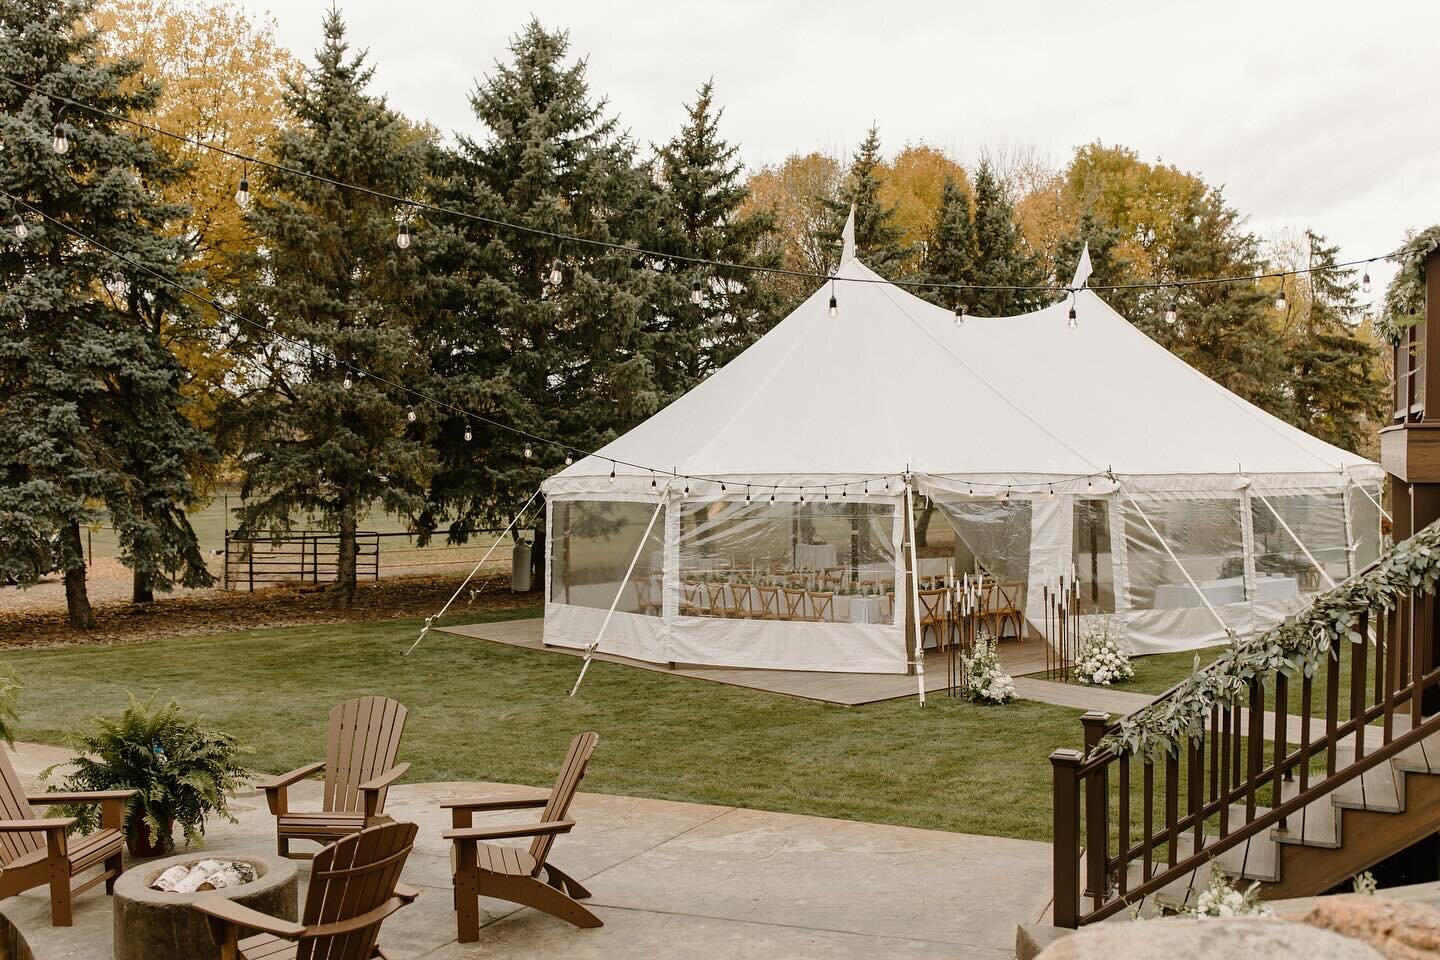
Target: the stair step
(1377, 789)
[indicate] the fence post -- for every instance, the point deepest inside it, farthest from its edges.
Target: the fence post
(251, 555)
(1064, 767)
(226, 569)
(1097, 808)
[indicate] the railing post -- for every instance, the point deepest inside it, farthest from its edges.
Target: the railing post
(1097, 809)
(1064, 767)
(226, 568)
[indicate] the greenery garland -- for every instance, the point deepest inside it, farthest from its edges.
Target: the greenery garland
(1404, 305)
(1296, 647)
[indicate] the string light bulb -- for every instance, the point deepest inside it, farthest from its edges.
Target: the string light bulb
(959, 316)
(410, 414)
(346, 384)
(569, 459)
(18, 224)
(747, 493)
(1365, 280)
(1280, 302)
(242, 195)
(402, 238)
(528, 452)
(1072, 321)
(1173, 309)
(469, 433)
(612, 471)
(696, 295)
(61, 141)
(834, 304)
(555, 275)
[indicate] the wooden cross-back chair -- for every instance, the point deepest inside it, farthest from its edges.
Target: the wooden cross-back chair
(1002, 605)
(509, 873)
(822, 606)
(795, 603)
(742, 607)
(715, 596)
(354, 885)
(359, 768)
(769, 603)
(935, 617)
(35, 851)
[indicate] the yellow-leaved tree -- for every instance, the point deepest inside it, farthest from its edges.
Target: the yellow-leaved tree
(221, 73)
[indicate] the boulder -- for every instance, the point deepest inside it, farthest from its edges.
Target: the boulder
(1186, 939)
(1398, 930)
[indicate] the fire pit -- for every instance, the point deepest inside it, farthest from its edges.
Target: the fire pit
(155, 924)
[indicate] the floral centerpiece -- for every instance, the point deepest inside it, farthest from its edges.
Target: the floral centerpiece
(985, 678)
(1103, 658)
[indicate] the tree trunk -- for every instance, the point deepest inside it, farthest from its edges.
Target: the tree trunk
(922, 526)
(140, 589)
(77, 599)
(344, 589)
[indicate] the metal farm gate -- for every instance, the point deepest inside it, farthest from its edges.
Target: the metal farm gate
(306, 556)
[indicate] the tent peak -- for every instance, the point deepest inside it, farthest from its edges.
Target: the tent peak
(847, 238)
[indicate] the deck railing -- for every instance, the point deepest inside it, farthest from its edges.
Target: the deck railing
(1131, 820)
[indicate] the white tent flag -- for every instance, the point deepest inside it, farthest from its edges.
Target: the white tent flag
(1083, 269)
(847, 238)
(792, 461)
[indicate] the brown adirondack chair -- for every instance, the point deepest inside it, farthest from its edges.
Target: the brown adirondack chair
(359, 767)
(513, 874)
(354, 886)
(36, 851)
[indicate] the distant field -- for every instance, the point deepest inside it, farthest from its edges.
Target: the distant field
(397, 554)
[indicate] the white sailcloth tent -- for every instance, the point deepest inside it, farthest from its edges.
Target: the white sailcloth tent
(1088, 452)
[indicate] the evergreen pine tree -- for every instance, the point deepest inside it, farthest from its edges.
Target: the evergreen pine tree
(1224, 330)
(951, 251)
(1002, 258)
(319, 441)
(878, 238)
(704, 192)
(91, 413)
(1337, 389)
(573, 358)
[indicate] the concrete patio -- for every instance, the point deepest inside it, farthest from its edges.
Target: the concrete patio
(666, 877)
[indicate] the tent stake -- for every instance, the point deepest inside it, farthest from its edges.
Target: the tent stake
(640, 548)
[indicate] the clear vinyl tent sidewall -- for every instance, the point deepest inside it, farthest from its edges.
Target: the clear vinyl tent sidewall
(710, 536)
(1222, 532)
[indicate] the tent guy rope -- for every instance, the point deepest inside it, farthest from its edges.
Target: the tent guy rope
(435, 616)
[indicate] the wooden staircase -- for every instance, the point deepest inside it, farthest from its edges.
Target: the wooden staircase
(1296, 783)
(1345, 832)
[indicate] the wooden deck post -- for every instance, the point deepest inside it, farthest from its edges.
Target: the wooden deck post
(1097, 809)
(1064, 768)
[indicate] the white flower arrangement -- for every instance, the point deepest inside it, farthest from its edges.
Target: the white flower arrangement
(985, 678)
(1223, 899)
(1103, 658)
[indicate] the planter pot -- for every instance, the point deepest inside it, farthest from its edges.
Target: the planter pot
(142, 843)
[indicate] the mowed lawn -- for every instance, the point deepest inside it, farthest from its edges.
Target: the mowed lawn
(480, 711)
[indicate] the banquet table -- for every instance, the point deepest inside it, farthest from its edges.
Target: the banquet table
(859, 609)
(815, 556)
(1178, 596)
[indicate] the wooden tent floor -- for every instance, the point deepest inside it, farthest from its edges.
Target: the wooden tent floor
(848, 689)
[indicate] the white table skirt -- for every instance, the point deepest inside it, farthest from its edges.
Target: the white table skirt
(1179, 596)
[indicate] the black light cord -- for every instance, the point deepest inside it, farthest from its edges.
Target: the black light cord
(641, 251)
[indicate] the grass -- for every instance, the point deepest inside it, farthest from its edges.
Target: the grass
(480, 711)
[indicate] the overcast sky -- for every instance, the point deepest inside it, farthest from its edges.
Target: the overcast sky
(1315, 113)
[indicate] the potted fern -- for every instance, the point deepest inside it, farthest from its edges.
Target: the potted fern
(183, 770)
